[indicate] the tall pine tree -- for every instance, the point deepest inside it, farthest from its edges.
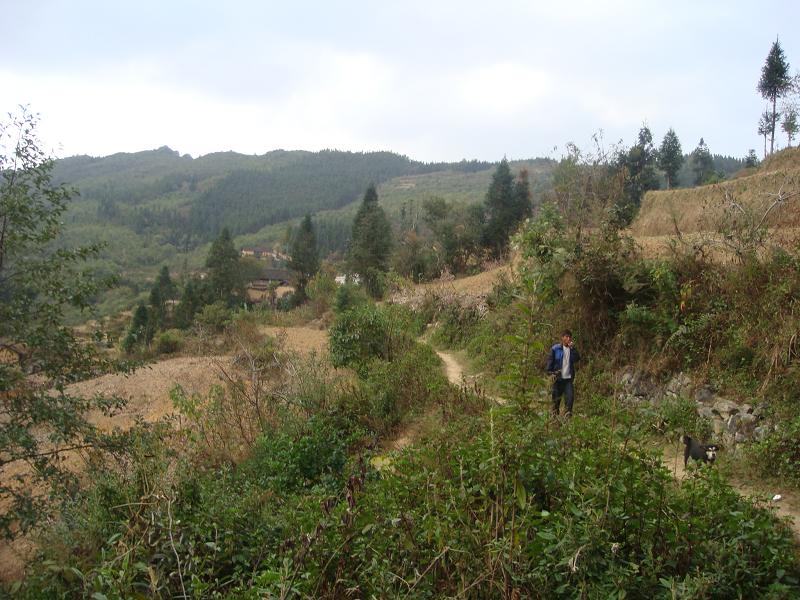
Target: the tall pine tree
(224, 277)
(162, 292)
(640, 167)
(371, 242)
(702, 163)
(775, 82)
(304, 255)
(670, 157)
(508, 203)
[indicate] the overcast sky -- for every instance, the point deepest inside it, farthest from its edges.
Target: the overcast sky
(429, 79)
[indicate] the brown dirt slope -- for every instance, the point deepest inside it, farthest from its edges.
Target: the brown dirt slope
(697, 209)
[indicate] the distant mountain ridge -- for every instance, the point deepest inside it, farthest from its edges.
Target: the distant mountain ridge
(195, 198)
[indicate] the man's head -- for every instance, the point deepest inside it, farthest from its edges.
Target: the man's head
(566, 337)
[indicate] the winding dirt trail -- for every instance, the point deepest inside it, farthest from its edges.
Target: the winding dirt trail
(453, 370)
(411, 431)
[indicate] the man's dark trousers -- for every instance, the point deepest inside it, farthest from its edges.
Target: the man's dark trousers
(562, 387)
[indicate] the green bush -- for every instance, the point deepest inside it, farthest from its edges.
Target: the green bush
(169, 341)
(349, 295)
(368, 332)
(517, 508)
(456, 324)
(393, 390)
(215, 316)
(676, 416)
(286, 461)
(778, 455)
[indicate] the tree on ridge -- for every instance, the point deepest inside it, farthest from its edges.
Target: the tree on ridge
(670, 157)
(775, 82)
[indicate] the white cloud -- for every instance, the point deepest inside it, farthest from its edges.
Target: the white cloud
(501, 89)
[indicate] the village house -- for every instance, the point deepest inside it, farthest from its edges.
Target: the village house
(264, 254)
(270, 287)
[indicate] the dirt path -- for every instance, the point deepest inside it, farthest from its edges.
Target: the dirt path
(787, 507)
(412, 430)
(453, 370)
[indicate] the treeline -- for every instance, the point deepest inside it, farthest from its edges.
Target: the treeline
(188, 201)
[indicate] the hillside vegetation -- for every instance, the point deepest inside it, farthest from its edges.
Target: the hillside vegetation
(277, 482)
(702, 208)
(158, 208)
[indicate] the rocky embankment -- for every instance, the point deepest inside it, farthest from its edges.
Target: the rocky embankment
(731, 422)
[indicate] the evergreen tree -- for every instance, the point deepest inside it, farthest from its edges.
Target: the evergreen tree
(224, 277)
(702, 163)
(640, 166)
(775, 82)
(670, 157)
(138, 331)
(371, 242)
(752, 160)
(789, 124)
(304, 255)
(156, 312)
(508, 203)
(162, 291)
(191, 302)
(165, 285)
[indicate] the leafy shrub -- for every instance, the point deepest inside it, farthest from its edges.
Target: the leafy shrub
(456, 324)
(169, 341)
(349, 295)
(676, 416)
(284, 461)
(520, 509)
(365, 333)
(214, 316)
(778, 455)
(412, 381)
(322, 289)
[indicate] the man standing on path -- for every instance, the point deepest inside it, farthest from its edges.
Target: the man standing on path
(561, 366)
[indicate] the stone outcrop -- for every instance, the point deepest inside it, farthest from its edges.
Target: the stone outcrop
(731, 422)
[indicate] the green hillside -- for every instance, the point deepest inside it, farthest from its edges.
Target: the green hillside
(158, 207)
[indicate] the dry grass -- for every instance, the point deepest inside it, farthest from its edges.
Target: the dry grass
(700, 208)
(303, 340)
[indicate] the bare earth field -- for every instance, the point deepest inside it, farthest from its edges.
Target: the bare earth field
(299, 339)
(476, 285)
(147, 392)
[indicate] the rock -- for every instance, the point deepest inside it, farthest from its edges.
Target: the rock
(759, 433)
(740, 438)
(705, 411)
(704, 395)
(627, 378)
(747, 422)
(679, 385)
(718, 426)
(732, 424)
(746, 409)
(635, 383)
(725, 408)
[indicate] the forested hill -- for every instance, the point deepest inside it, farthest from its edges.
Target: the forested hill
(188, 201)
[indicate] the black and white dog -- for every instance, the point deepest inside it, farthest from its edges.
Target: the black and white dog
(697, 451)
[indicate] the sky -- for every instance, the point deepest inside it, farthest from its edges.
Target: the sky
(433, 80)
